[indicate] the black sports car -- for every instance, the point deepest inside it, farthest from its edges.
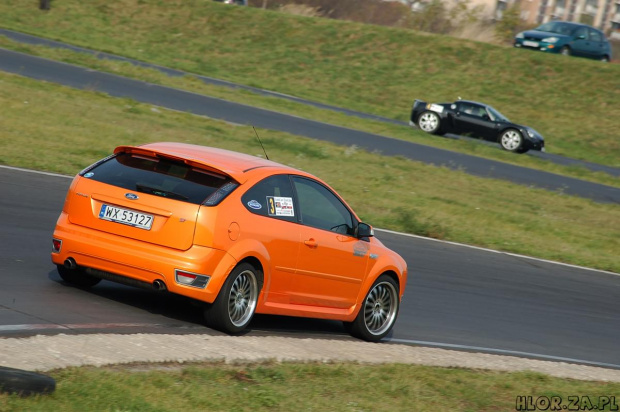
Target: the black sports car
(476, 119)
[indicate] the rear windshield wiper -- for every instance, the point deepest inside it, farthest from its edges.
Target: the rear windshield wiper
(160, 192)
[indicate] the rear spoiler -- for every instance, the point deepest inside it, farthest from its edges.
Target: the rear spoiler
(141, 151)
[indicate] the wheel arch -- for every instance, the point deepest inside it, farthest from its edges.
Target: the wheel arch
(254, 253)
(390, 273)
(258, 265)
(392, 269)
(505, 129)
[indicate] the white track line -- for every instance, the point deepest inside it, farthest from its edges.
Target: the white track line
(507, 352)
(496, 251)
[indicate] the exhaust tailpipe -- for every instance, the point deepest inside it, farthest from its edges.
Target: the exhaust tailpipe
(159, 285)
(70, 263)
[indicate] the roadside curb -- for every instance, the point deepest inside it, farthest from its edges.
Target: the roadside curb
(47, 353)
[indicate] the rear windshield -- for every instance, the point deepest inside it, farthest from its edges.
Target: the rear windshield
(159, 176)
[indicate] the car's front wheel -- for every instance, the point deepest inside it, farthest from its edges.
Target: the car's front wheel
(378, 312)
(235, 305)
(511, 140)
(429, 122)
(77, 277)
(565, 51)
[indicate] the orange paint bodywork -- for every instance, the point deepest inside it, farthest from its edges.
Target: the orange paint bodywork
(306, 271)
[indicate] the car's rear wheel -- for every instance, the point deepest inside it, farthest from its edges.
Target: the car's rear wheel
(378, 312)
(77, 277)
(565, 51)
(429, 122)
(511, 140)
(235, 305)
(605, 59)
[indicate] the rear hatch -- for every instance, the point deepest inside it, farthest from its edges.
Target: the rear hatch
(144, 196)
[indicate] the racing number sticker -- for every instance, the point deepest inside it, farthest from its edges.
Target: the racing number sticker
(436, 108)
(280, 206)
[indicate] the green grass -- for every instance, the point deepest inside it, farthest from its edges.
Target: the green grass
(299, 387)
(53, 128)
(371, 69)
(574, 103)
(284, 106)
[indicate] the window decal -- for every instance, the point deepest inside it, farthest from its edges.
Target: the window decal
(280, 206)
(254, 204)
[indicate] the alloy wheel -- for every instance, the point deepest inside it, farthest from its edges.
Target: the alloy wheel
(380, 308)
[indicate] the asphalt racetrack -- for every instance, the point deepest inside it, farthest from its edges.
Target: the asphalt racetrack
(457, 296)
(118, 86)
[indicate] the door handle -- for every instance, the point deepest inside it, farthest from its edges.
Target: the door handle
(311, 243)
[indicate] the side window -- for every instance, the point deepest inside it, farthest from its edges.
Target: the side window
(582, 31)
(464, 107)
(595, 36)
(322, 209)
(473, 109)
(272, 197)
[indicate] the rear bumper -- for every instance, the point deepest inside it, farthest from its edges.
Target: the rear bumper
(141, 261)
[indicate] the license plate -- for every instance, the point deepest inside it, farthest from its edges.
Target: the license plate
(126, 217)
(528, 43)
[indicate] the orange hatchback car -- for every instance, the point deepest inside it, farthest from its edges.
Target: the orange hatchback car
(242, 234)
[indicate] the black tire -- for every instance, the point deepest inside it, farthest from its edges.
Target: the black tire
(25, 383)
(512, 141)
(235, 305)
(430, 122)
(77, 277)
(565, 51)
(378, 313)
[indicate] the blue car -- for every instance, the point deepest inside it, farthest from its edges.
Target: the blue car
(569, 39)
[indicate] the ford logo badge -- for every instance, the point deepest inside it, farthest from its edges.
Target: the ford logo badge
(131, 196)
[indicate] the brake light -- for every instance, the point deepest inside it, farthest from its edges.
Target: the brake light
(56, 245)
(191, 279)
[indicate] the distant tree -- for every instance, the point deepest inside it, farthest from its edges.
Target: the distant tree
(432, 18)
(510, 23)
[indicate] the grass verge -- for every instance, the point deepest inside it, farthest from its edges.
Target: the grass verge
(301, 387)
(388, 192)
(574, 103)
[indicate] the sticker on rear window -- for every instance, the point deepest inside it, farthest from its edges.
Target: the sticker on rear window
(280, 206)
(89, 174)
(254, 204)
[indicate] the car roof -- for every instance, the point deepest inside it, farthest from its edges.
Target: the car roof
(234, 164)
(574, 23)
(471, 101)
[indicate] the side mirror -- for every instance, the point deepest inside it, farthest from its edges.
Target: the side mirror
(581, 37)
(364, 230)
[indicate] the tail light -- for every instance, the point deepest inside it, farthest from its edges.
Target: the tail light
(56, 245)
(191, 279)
